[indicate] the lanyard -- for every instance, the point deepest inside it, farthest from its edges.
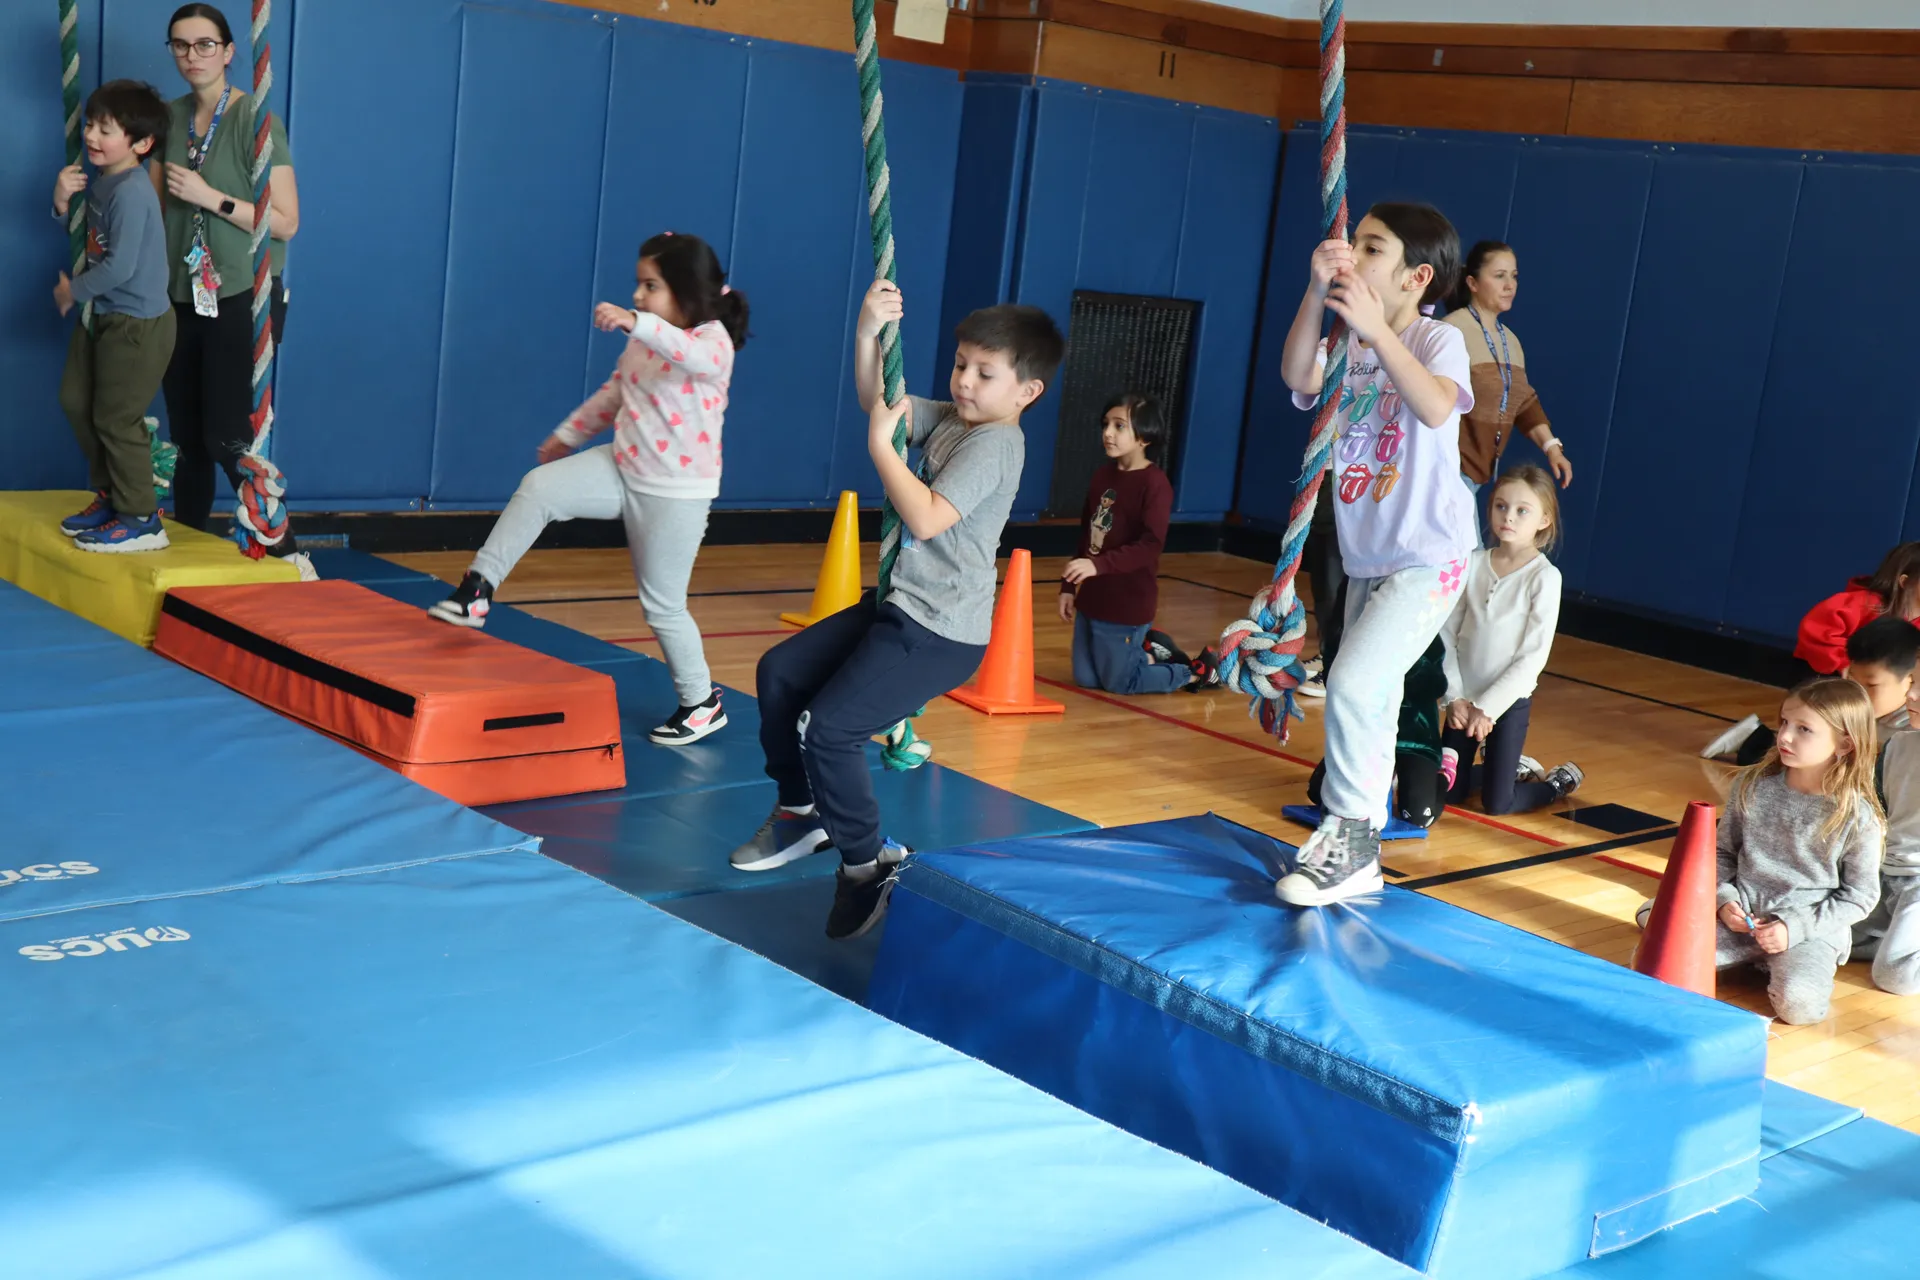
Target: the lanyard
(197, 148)
(1506, 361)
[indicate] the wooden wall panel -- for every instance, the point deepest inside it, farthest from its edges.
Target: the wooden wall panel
(824, 24)
(1748, 115)
(1438, 101)
(1161, 70)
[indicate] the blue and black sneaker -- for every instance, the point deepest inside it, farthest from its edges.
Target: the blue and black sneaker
(125, 533)
(98, 513)
(784, 837)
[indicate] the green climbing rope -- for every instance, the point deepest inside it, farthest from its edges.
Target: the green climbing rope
(903, 750)
(70, 101)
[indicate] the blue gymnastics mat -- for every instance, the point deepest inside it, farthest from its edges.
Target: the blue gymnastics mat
(222, 794)
(1845, 1204)
(1465, 1097)
(358, 566)
(502, 1068)
(523, 629)
(659, 847)
(28, 624)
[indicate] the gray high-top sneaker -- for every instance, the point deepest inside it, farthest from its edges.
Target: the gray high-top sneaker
(1339, 861)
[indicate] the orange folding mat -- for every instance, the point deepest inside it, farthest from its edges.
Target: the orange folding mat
(478, 719)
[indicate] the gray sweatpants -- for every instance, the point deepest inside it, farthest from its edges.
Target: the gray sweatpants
(1799, 979)
(1890, 937)
(663, 537)
(1390, 622)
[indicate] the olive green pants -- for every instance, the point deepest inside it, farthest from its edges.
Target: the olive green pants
(111, 378)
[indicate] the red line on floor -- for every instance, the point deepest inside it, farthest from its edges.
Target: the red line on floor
(1624, 865)
(1264, 749)
(709, 635)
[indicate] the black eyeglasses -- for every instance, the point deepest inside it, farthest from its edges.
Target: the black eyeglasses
(205, 48)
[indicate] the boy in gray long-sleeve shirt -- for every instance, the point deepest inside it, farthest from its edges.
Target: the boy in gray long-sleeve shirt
(1890, 936)
(116, 360)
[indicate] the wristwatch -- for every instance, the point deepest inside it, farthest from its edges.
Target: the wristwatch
(226, 208)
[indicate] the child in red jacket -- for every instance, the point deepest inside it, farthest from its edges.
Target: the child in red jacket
(1110, 590)
(1893, 589)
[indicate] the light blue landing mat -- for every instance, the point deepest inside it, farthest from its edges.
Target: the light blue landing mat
(155, 781)
(1845, 1205)
(501, 1068)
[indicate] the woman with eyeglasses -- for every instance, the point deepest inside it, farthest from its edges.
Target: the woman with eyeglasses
(205, 186)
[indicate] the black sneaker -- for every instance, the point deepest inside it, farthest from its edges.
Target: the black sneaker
(860, 897)
(469, 604)
(1565, 779)
(1206, 671)
(1341, 860)
(784, 837)
(690, 724)
(1161, 648)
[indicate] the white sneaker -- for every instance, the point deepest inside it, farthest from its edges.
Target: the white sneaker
(1527, 769)
(304, 563)
(1732, 740)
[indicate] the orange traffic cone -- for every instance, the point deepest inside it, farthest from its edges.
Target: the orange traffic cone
(1004, 686)
(839, 582)
(1679, 942)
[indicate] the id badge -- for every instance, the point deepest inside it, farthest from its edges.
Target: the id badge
(205, 281)
(907, 541)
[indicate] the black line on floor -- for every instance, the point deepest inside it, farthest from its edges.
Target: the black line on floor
(1192, 582)
(1641, 697)
(1541, 859)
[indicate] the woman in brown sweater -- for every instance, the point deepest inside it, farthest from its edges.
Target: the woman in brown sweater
(1504, 402)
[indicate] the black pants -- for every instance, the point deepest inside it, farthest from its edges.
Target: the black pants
(209, 390)
(828, 690)
(1321, 561)
(1499, 793)
(1417, 797)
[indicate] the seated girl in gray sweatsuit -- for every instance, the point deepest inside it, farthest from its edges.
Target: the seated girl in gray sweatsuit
(1800, 846)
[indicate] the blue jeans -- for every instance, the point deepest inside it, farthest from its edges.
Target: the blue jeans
(1111, 656)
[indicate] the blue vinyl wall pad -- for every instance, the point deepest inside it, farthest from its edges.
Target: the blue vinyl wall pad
(1479, 1067)
(501, 1067)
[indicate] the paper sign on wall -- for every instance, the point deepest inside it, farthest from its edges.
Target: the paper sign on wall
(921, 20)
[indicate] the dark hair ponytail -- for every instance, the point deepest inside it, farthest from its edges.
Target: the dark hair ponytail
(206, 11)
(692, 270)
(1476, 261)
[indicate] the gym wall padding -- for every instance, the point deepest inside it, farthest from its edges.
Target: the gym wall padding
(1679, 306)
(1120, 193)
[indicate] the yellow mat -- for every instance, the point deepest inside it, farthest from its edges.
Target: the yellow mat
(121, 592)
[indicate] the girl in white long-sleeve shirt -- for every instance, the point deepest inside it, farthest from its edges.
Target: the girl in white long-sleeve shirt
(1497, 642)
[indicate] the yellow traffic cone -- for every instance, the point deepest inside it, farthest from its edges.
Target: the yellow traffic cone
(839, 584)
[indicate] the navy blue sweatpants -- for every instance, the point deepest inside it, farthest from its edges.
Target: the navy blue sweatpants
(828, 690)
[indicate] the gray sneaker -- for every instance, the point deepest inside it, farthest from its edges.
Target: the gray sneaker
(1565, 779)
(1341, 860)
(1527, 769)
(784, 837)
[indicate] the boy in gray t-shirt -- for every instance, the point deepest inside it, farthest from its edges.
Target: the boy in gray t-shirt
(119, 353)
(828, 690)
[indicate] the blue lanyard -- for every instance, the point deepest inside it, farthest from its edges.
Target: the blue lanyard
(197, 148)
(1506, 361)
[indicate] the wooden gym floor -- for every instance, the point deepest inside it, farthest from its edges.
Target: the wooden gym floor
(1633, 723)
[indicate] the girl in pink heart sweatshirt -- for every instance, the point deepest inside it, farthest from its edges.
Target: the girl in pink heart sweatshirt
(665, 404)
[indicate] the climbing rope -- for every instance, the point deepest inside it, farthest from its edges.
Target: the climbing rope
(70, 100)
(1260, 653)
(259, 519)
(904, 750)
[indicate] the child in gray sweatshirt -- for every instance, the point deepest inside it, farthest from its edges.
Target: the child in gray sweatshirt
(123, 340)
(1890, 936)
(1800, 847)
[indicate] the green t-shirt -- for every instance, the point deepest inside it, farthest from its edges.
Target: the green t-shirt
(226, 171)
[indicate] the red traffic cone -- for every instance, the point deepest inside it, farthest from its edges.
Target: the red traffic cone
(1004, 686)
(1678, 945)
